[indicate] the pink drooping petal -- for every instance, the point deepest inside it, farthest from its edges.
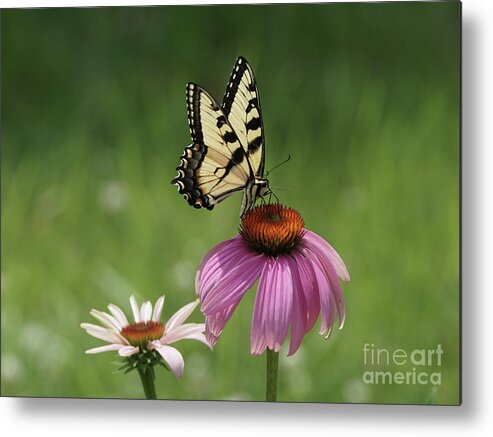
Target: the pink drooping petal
(215, 323)
(324, 292)
(158, 309)
(324, 262)
(182, 332)
(220, 263)
(272, 312)
(337, 295)
(324, 247)
(233, 285)
(258, 341)
(299, 314)
(211, 338)
(127, 351)
(205, 260)
(173, 359)
(280, 311)
(310, 290)
(106, 348)
(181, 315)
(332, 316)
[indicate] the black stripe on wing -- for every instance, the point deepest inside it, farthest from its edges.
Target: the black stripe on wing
(242, 97)
(234, 82)
(193, 111)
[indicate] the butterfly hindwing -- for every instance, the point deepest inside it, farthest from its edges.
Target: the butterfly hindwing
(214, 165)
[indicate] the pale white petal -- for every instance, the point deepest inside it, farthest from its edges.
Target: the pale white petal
(126, 351)
(173, 358)
(158, 309)
(181, 315)
(105, 335)
(182, 332)
(120, 338)
(118, 314)
(135, 309)
(106, 319)
(199, 337)
(153, 344)
(145, 312)
(87, 326)
(108, 347)
(97, 331)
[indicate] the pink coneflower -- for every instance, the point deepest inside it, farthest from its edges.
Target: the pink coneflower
(298, 273)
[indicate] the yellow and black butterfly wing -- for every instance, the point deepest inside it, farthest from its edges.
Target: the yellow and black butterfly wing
(241, 106)
(227, 152)
(215, 164)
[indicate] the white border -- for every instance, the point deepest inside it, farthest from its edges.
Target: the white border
(130, 418)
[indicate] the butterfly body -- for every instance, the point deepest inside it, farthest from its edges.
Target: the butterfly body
(227, 152)
(256, 188)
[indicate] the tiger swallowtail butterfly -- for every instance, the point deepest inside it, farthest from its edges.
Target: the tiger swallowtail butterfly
(227, 153)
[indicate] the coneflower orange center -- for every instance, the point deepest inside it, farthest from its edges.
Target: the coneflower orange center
(272, 229)
(139, 334)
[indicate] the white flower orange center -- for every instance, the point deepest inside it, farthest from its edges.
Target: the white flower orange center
(141, 333)
(272, 229)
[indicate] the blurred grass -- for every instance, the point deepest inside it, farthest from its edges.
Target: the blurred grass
(365, 97)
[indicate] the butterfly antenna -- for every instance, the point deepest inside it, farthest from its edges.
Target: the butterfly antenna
(281, 188)
(278, 165)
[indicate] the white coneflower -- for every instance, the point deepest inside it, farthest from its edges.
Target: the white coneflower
(145, 341)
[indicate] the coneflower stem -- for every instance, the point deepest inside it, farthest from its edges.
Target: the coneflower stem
(147, 378)
(271, 380)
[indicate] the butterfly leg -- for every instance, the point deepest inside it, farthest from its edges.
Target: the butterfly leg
(271, 193)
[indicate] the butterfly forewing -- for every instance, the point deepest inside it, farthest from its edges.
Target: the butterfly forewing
(241, 105)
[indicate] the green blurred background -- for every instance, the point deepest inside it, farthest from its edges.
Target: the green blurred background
(364, 97)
